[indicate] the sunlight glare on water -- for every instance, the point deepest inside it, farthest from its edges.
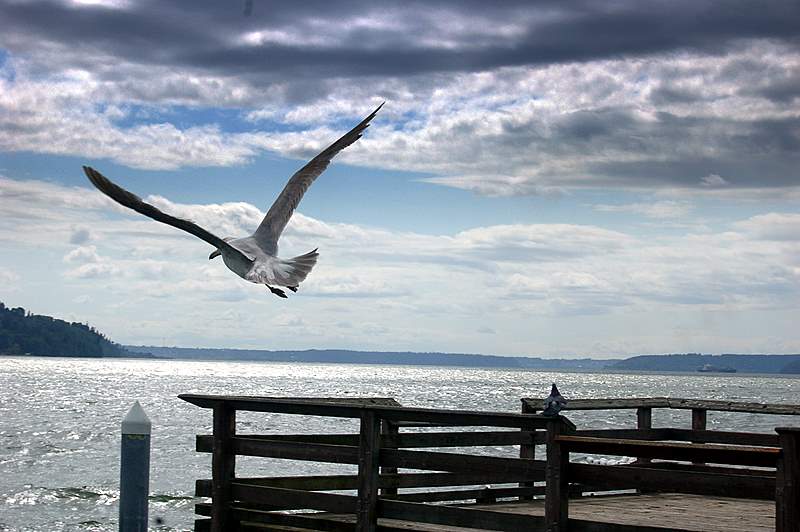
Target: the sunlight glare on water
(59, 421)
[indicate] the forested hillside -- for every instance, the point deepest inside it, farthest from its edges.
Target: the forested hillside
(23, 333)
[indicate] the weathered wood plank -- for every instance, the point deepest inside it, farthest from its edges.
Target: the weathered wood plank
(404, 480)
(203, 443)
(660, 512)
(582, 525)
(734, 406)
(453, 462)
(719, 436)
(223, 466)
(456, 418)
(653, 479)
(787, 489)
(463, 517)
(556, 499)
(722, 470)
(389, 433)
(368, 463)
(480, 495)
(627, 434)
(336, 454)
(527, 450)
(718, 454)
(293, 499)
(535, 405)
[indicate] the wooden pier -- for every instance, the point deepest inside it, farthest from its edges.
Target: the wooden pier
(682, 479)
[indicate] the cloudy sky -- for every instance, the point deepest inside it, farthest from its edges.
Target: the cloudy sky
(546, 178)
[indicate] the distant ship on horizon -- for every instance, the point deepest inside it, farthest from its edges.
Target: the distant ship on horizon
(710, 368)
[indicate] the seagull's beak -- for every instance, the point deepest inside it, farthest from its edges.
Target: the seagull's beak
(214, 255)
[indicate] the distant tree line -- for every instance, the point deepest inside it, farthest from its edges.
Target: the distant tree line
(23, 333)
(760, 363)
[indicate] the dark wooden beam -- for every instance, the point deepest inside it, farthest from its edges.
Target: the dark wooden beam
(293, 499)
(462, 517)
(717, 454)
(336, 454)
(787, 488)
(535, 405)
(223, 467)
(748, 486)
(368, 462)
(464, 463)
(456, 418)
(556, 499)
(403, 480)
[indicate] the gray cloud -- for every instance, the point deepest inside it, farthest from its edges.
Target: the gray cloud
(507, 98)
(292, 41)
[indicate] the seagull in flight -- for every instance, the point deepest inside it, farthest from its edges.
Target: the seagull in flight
(255, 257)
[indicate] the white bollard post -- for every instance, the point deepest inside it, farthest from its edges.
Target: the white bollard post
(134, 475)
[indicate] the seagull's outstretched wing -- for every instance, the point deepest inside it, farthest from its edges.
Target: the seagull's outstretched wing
(132, 201)
(278, 216)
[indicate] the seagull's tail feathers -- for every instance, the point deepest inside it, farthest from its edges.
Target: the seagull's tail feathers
(294, 271)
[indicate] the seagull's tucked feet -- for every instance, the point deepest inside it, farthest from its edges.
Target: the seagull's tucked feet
(292, 288)
(277, 291)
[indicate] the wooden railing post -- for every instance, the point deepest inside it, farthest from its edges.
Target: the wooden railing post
(527, 450)
(223, 467)
(389, 428)
(644, 421)
(556, 498)
(368, 461)
(699, 422)
(699, 418)
(787, 477)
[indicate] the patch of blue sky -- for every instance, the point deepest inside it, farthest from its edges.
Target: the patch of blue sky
(227, 120)
(393, 200)
(7, 71)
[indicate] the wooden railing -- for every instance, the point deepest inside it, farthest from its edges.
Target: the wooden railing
(378, 450)
(765, 466)
(733, 464)
(644, 408)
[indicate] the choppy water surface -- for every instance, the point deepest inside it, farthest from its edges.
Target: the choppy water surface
(59, 421)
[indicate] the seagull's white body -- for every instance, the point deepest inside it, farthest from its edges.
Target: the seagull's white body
(255, 257)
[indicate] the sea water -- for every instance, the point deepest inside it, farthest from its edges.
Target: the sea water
(60, 421)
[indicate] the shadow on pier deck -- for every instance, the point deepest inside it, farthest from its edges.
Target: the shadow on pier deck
(682, 479)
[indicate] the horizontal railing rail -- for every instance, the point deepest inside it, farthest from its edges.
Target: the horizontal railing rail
(456, 418)
(533, 405)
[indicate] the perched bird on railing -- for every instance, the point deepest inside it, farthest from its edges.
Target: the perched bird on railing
(554, 402)
(253, 258)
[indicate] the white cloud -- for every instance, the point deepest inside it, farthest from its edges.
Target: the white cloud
(499, 276)
(82, 254)
(780, 227)
(507, 131)
(713, 180)
(93, 270)
(8, 277)
(658, 209)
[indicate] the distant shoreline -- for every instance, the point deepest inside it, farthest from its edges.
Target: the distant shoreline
(599, 370)
(688, 363)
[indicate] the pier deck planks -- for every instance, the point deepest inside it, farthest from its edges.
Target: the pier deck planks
(687, 512)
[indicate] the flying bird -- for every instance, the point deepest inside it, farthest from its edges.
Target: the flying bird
(553, 403)
(253, 258)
